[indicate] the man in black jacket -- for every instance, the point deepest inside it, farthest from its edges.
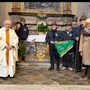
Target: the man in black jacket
(52, 36)
(76, 36)
(75, 30)
(68, 57)
(24, 32)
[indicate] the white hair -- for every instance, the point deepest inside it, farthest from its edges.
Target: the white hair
(7, 21)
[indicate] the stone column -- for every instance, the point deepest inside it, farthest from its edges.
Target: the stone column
(16, 6)
(68, 5)
(64, 5)
(67, 8)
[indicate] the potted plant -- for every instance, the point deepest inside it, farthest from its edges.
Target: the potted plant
(42, 28)
(21, 50)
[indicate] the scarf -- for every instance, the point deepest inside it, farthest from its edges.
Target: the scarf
(87, 30)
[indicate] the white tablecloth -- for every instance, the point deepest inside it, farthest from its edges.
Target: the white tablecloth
(38, 38)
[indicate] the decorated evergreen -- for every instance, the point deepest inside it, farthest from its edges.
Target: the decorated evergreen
(42, 28)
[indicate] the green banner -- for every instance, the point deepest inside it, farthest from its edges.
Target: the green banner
(63, 47)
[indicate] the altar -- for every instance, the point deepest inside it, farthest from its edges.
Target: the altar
(38, 46)
(37, 38)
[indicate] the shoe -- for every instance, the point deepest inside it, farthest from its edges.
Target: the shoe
(86, 78)
(83, 68)
(11, 77)
(71, 69)
(78, 71)
(83, 78)
(63, 68)
(4, 78)
(58, 69)
(51, 68)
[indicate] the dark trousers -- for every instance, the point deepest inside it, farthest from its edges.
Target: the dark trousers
(88, 72)
(68, 59)
(78, 62)
(54, 55)
(78, 58)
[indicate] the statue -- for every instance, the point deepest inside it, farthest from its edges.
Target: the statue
(32, 47)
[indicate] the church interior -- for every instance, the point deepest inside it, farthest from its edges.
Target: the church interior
(34, 70)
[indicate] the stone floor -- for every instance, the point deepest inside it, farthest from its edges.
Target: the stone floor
(34, 73)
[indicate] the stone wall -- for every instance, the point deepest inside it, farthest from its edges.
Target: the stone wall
(77, 8)
(5, 7)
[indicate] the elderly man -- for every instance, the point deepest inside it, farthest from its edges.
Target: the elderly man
(76, 36)
(68, 57)
(52, 36)
(8, 50)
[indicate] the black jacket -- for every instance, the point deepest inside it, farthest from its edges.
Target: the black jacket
(77, 30)
(53, 36)
(24, 32)
(67, 36)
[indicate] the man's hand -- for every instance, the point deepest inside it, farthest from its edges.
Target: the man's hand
(77, 38)
(52, 42)
(9, 47)
(81, 53)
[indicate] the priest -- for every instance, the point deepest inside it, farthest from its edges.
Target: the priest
(8, 50)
